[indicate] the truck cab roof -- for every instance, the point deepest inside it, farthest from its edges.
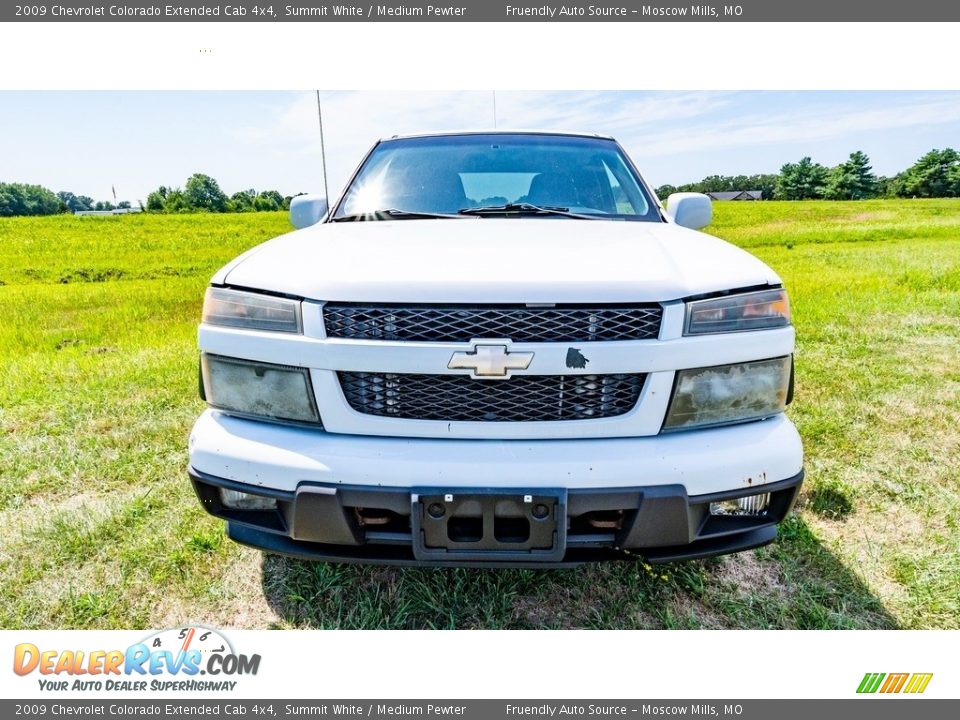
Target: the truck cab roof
(497, 131)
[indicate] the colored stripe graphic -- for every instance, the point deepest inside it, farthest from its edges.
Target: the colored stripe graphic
(870, 682)
(918, 683)
(894, 683)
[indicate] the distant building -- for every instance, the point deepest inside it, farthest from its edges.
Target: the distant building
(736, 195)
(115, 211)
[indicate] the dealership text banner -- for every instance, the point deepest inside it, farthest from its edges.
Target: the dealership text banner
(485, 11)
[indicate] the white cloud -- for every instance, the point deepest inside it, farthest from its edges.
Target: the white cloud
(671, 134)
(607, 113)
(353, 121)
(818, 125)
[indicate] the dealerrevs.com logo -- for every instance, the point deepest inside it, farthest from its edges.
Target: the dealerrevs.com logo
(180, 659)
(909, 683)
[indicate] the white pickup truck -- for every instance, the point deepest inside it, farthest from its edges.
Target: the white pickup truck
(497, 349)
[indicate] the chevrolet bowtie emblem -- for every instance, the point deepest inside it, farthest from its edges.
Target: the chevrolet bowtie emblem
(490, 361)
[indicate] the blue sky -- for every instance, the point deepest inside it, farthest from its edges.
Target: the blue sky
(87, 141)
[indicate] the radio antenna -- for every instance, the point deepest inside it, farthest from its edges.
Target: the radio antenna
(323, 152)
(494, 109)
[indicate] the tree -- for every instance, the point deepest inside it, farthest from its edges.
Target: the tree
(176, 201)
(242, 201)
(268, 200)
(203, 193)
(74, 203)
(156, 200)
(852, 180)
(936, 174)
(765, 183)
(715, 183)
(890, 187)
(66, 198)
(804, 180)
(22, 199)
(665, 191)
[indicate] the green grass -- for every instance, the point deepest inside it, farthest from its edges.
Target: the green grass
(101, 528)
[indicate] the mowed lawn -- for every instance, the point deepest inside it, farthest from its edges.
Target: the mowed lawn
(100, 527)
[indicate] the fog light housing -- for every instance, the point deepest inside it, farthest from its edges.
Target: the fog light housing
(236, 500)
(727, 394)
(259, 390)
(750, 505)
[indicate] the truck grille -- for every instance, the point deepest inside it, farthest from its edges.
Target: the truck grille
(520, 399)
(426, 323)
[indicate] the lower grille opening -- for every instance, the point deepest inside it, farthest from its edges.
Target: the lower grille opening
(524, 398)
(380, 520)
(605, 519)
(597, 521)
(511, 530)
(465, 529)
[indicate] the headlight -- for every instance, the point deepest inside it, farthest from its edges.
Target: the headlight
(251, 311)
(729, 393)
(263, 390)
(748, 311)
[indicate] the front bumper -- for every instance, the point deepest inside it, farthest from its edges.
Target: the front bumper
(349, 498)
(282, 457)
(362, 524)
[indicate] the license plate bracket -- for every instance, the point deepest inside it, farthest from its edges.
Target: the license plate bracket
(480, 524)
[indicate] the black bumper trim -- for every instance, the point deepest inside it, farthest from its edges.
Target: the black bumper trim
(659, 523)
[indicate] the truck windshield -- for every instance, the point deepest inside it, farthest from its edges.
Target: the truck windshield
(497, 175)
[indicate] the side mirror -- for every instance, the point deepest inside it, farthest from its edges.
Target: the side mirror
(307, 210)
(691, 210)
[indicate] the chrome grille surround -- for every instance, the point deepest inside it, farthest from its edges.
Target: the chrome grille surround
(519, 323)
(460, 398)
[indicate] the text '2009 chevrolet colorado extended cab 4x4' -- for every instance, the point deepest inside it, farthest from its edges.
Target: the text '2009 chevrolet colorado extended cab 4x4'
(497, 348)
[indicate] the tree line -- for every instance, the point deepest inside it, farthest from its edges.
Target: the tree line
(23, 199)
(935, 175)
(203, 194)
(200, 194)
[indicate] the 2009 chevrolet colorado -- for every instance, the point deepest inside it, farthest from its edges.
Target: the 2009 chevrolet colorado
(497, 348)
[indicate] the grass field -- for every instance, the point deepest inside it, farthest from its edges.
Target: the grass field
(101, 528)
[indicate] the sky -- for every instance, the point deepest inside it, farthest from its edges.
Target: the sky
(88, 142)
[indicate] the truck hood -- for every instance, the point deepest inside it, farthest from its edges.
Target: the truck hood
(496, 260)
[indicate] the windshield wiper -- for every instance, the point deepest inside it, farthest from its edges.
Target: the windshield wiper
(522, 208)
(394, 214)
